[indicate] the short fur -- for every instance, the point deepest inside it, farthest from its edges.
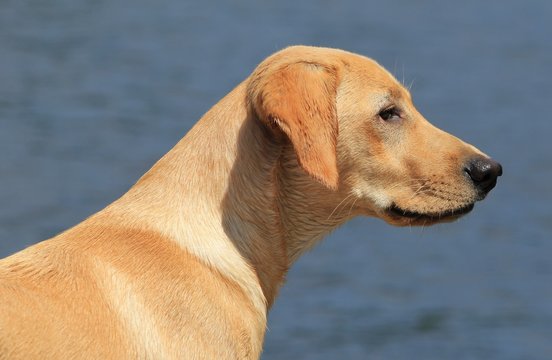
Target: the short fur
(187, 263)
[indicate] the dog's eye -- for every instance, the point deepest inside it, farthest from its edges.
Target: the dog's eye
(390, 114)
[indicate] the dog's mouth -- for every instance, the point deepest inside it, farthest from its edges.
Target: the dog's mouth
(415, 217)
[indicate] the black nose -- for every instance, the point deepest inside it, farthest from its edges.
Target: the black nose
(483, 172)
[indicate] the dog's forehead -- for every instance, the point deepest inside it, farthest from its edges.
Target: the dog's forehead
(369, 74)
(371, 79)
(356, 63)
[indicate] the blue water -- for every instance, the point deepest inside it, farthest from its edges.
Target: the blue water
(92, 92)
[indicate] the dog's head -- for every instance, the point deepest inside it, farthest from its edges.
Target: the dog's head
(355, 130)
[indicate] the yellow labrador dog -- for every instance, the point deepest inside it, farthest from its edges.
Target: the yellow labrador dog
(187, 263)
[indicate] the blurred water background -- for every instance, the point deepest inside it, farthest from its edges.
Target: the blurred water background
(93, 92)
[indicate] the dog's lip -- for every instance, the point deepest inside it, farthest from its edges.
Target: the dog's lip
(397, 211)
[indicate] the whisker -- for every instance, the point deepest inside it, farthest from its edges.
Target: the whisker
(409, 87)
(352, 205)
(338, 205)
(408, 182)
(420, 190)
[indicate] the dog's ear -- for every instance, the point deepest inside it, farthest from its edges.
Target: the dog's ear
(299, 99)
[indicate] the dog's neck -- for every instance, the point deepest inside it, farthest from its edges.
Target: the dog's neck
(308, 209)
(273, 210)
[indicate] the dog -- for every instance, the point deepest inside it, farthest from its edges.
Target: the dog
(188, 262)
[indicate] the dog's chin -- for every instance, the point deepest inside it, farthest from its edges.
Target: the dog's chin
(398, 216)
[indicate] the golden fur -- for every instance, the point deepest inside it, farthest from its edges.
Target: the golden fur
(187, 263)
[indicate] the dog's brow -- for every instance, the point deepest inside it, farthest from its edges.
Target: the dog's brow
(392, 95)
(387, 97)
(395, 93)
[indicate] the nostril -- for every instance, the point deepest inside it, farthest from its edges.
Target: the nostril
(483, 172)
(478, 171)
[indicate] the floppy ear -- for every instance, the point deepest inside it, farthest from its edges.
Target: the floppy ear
(300, 100)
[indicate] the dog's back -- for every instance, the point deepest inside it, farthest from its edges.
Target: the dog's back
(113, 295)
(34, 287)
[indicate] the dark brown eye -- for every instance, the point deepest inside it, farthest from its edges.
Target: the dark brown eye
(390, 114)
